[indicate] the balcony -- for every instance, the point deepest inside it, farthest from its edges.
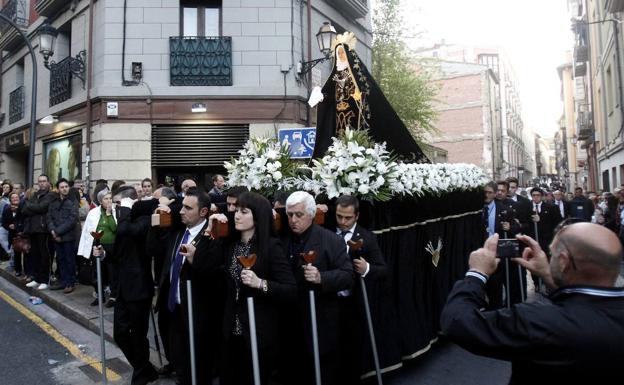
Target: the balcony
(16, 105)
(580, 69)
(60, 81)
(200, 61)
(49, 8)
(581, 53)
(16, 11)
(614, 6)
(584, 125)
(354, 8)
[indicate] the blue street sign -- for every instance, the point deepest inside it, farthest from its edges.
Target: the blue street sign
(301, 141)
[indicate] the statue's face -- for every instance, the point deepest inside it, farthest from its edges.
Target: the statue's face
(342, 61)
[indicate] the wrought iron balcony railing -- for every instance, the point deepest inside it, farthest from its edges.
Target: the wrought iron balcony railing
(16, 105)
(60, 81)
(17, 11)
(200, 61)
(355, 8)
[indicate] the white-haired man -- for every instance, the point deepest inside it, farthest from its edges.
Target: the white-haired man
(330, 273)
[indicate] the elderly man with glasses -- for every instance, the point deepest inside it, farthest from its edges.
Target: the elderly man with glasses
(576, 337)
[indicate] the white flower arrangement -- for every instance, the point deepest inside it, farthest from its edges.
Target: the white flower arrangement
(263, 165)
(418, 179)
(353, 165)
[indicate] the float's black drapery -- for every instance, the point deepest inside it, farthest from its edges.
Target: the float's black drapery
(378, 116)
(407, 305)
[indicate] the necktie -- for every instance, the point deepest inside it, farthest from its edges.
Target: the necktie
(536, 208)
(175, 274)
(344, 233)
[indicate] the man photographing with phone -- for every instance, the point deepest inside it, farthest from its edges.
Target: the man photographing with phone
(576, 338)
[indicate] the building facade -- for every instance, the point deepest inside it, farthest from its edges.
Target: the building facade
(598, 73)
(468, 119)
(161, 88)
(574, 172)
(517, 155)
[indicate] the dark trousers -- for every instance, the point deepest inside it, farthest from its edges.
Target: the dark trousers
(131, 324)
(177, 346)
(496, 285)
(238, 365)
(17, 262)
(40, 252)
(66, 259)
(352, 337)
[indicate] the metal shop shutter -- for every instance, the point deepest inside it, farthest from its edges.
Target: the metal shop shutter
(192, 146)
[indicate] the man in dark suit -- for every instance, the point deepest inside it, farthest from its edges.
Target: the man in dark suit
(562, 205)
(499, 219)
(135, 284)
(523, 205)
(329, 274)
(368, 263)
(580, 206)
(545, 217)
(188, 256)
(216, 193)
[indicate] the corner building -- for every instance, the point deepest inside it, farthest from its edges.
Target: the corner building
(161, 88)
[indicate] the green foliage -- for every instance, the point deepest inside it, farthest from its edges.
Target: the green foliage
(404, 79)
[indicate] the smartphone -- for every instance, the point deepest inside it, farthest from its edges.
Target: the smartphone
(508, 248)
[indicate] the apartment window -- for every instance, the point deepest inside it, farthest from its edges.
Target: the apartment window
(609, 88)
(622, 174)
(605, 181)
(200, 18)
(613, 177)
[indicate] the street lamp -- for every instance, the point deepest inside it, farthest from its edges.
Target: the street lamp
(47, 41)
(33, 100)
(325, 39)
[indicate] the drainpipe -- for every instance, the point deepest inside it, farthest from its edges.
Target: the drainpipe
(308, 109)
(88, 105)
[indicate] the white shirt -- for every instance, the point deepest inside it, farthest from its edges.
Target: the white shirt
(539, 207)
(561, 208)
(193, 231)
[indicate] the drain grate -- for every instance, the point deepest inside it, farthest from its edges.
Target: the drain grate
(114, 364)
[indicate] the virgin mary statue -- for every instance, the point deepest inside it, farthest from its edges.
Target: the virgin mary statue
(352, 99)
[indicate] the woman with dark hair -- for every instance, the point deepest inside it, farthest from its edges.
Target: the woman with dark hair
(268, 281)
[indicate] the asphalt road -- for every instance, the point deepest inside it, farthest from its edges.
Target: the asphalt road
(26, 350)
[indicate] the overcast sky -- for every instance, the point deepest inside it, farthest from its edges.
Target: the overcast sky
(534, 33)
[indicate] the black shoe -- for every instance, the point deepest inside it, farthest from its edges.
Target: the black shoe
(166, 370)
(57, 286)
(146, 376)
(94, 303)
(110, 303)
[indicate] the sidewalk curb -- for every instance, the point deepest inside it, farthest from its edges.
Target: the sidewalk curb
(66, 311)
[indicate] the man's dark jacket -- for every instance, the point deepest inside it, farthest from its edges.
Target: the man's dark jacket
(581, 207)
(523, 210)
(62, 218)
(575, 339)
(336, 272)
(550, 216)
(133, 262)
(35, 210)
